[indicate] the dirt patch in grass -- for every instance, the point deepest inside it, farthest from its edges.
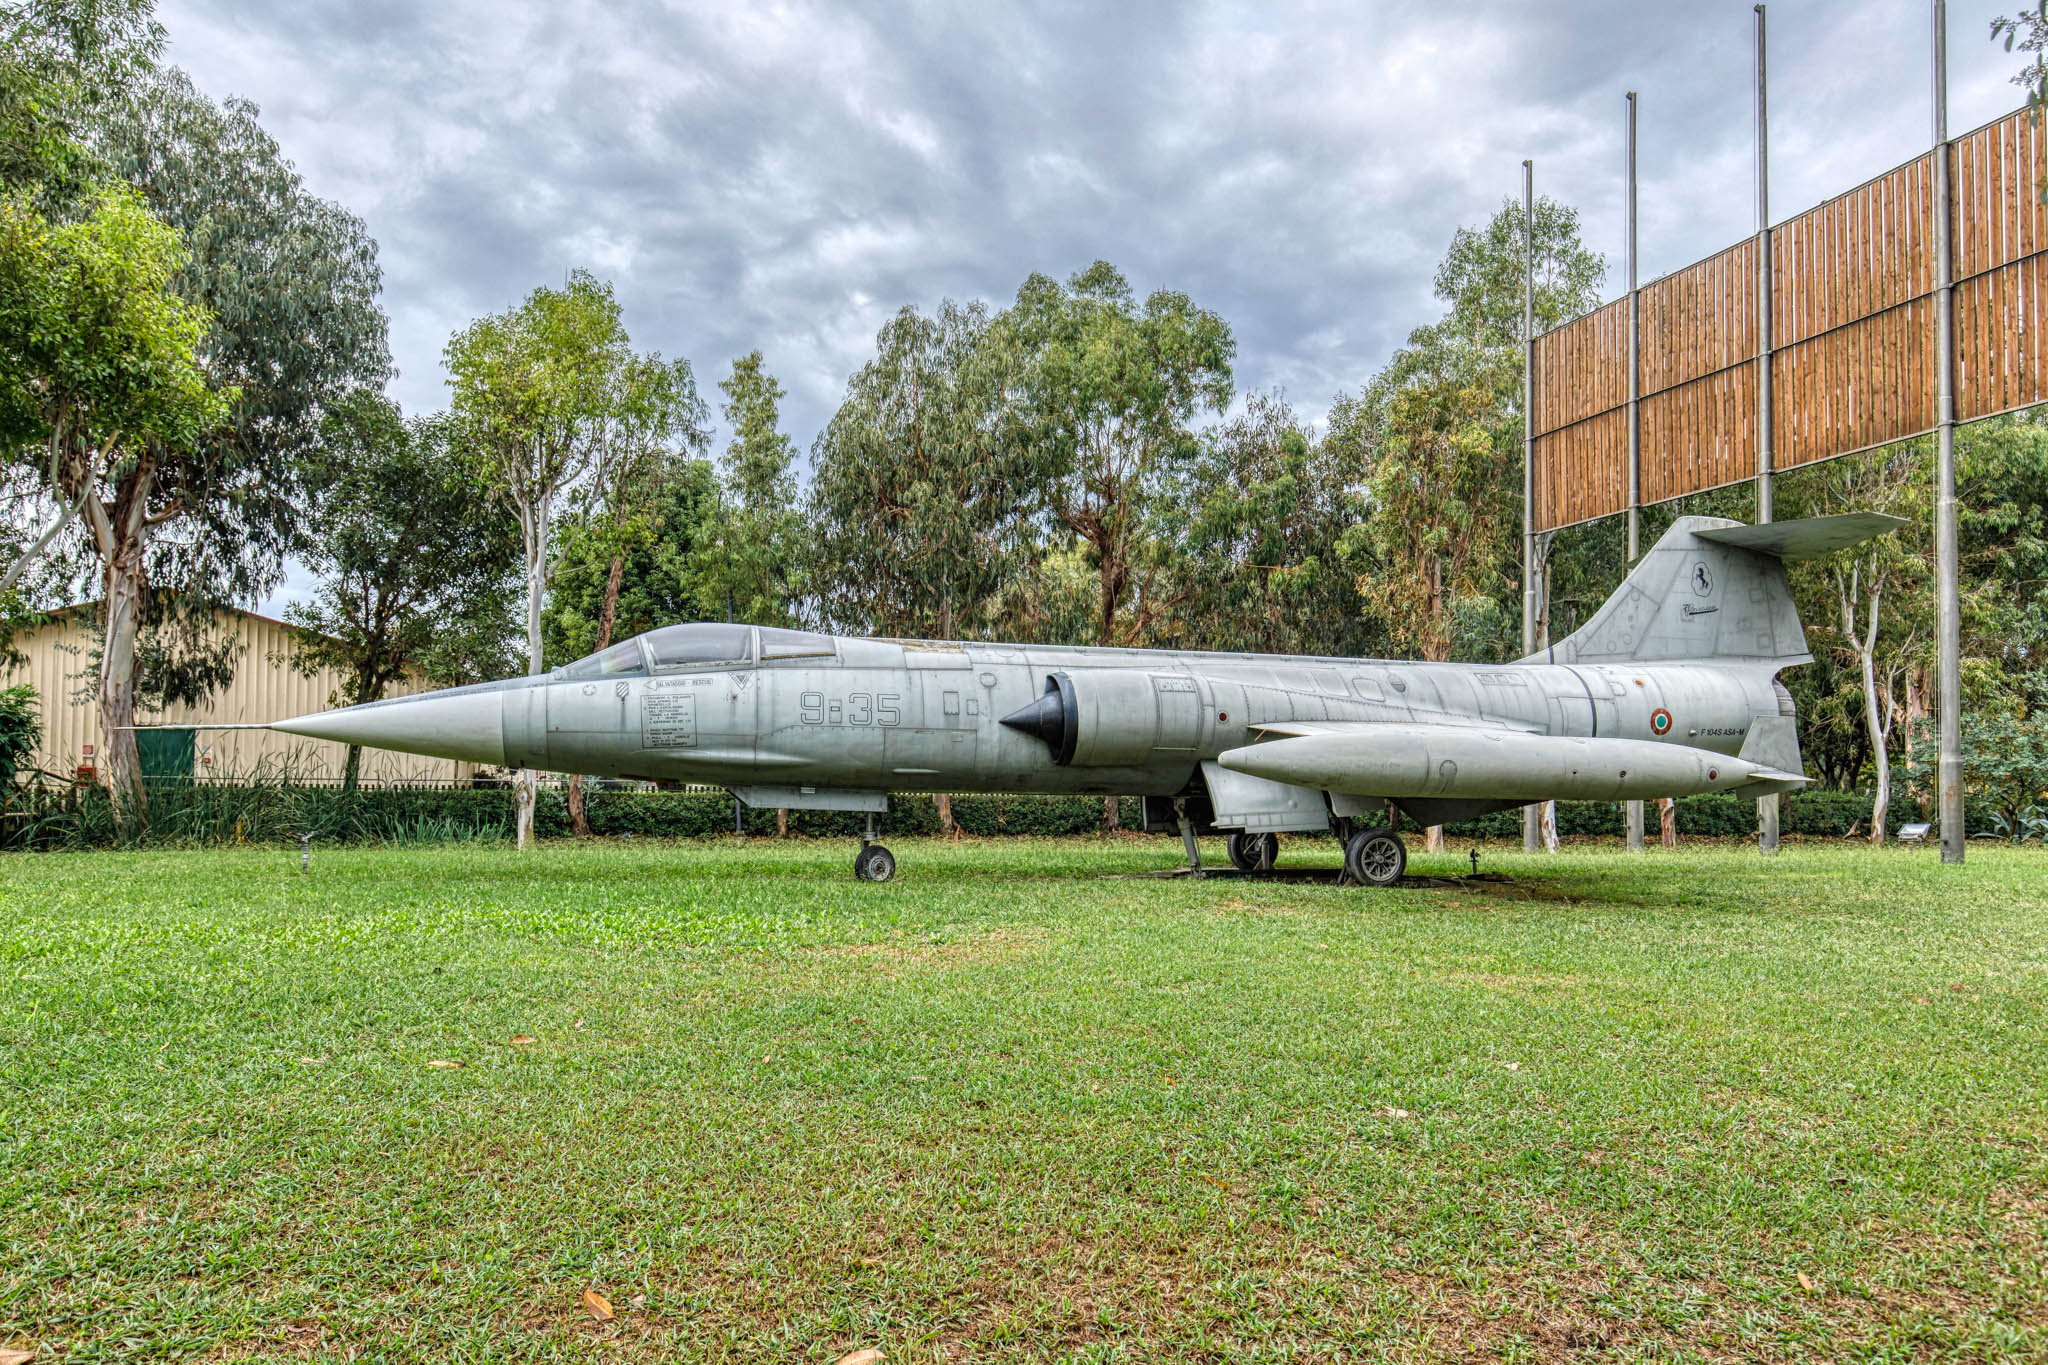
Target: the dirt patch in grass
(1000, 945)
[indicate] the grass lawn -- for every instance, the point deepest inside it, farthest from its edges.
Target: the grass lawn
(1015, 1107)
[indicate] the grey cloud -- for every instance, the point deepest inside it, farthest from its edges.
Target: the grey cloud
(786, 176)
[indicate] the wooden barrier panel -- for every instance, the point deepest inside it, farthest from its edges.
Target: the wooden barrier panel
(1582, 368)
(1858, 386)
(1699, 320)
(1697, 436)
(2001, 358)
(1866, 251)
(1582, 470)
(1852, 327)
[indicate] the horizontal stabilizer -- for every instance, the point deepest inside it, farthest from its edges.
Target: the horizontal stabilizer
(1809, 538)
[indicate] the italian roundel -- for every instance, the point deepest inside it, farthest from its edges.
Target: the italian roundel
(1660, 721)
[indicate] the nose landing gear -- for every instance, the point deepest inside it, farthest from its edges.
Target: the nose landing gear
(873, 863)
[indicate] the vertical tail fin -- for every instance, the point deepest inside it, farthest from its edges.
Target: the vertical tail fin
(1712, 590)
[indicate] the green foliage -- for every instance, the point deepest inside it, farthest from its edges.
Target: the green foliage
(290, 284)
(407, 556)
(922, 493)
(102, 358)
(61, 63)
(2005, 761)
(277, 810)
(1255, 528)
(21, 733)
(752, 567)
(534, 391)
(1108, 396)
(658, 548)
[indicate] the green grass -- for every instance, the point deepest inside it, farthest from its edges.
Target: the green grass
(1014, 1106)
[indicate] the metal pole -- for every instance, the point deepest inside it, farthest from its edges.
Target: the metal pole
(1766, 455)
(1635, 426)
(1949, 610)
(1532, 816)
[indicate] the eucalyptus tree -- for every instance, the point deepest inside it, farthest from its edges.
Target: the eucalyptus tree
(649, 441)
(533, 387)
(102, 356)
(405, 551)
(61, 63)
(104, 373)
(753, 567)
(1108, 393)
(1435, 440)
(1256, 528)
(651, 435)
(921, 490)
(287, 284)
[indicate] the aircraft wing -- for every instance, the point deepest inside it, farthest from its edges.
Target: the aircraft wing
(1457, 762)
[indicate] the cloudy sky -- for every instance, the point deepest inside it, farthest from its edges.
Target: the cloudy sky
(784, 176)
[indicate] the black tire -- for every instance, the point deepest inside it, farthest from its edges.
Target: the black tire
(1252, 852)
(1376, 857)
(874, 864)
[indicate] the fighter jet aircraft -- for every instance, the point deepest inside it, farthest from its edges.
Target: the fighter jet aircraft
(1669, 690)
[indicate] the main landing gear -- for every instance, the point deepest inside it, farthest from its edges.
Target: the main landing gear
(1375, 856)
(1252, 852)
(873, 863)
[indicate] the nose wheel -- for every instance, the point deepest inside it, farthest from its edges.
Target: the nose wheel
(1253, 852)
(1376, 857)
(873, 863)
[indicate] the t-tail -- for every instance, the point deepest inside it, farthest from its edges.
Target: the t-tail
(1713, 591)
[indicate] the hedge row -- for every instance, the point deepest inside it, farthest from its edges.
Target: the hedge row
(220, 813)
(1813, 814)
(213, 814)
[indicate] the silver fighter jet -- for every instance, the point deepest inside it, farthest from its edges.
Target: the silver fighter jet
(1670, 690)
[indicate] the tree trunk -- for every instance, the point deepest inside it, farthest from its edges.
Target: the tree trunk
(526, 790)
(608, 611)
(782, 822)
(351, 768)
(125, 585)
(1880, 753)
(607, 614)
(946, 826)
(1667, 822)
(579, 819)
(1112, 814)
(1550, 826)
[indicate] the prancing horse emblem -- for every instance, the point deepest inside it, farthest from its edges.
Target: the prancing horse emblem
(1702, 581)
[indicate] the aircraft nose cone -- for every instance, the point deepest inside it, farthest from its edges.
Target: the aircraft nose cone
(465, 723)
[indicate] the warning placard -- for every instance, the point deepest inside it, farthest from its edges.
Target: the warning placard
(669, 720)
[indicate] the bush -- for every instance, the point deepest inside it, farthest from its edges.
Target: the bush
(1814, 814)
(207, 814)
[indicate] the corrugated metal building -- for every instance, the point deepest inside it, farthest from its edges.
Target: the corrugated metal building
(266, 687)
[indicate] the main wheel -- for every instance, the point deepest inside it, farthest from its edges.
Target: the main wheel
(874, 863)
(1376, 857)
(1252, 852)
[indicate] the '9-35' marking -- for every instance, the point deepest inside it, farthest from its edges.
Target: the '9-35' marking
(859, 708)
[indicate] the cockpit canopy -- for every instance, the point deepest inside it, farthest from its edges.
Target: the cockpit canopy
(699, 645)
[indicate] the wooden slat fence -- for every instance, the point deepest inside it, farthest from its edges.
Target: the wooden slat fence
(1852, 330)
